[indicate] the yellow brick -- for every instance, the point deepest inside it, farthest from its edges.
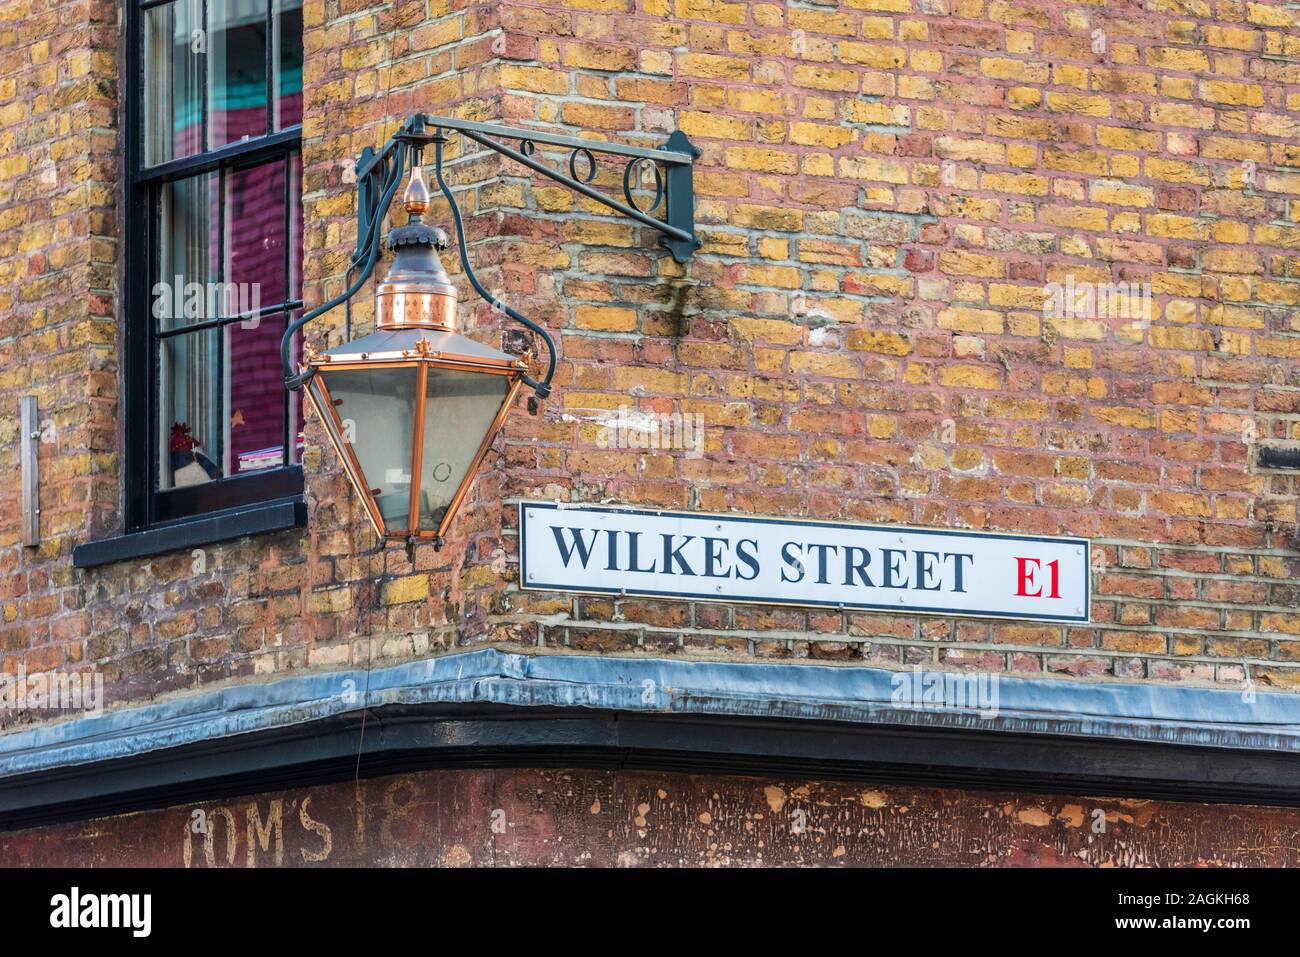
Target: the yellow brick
(1001, 68)
(1066, 74)
(1232, 94)
(878, 114)
(1024, 98)
(1183, 114)
(961, 319)
(1076, 358)
(1075, 161)
(1268, 15)
(639, 380)
(1173, 58)
(888, 343)
(1018, 297)
(605, 318)
(759, 101)
(873, 168)
(1079, 217)
(926, 61)
(824, 364)
(867, 54)
(767, 330)
(332, 600)
(956, 262)
(1079, 103)
(818, 164)
(530, 79)
(1014, 183)
(1117, 138)
(1024, 155)
(818, 134)
(1231, 38)
(405, 589)
(1175, 227)
(777, 277)
(715, 126)
(761, 159)
(767, 217)
(1126, 417)
(713, 66)
(1232, 260)
(655, 61)
(825, 78)
(970, 377)
(915, 87)
(712, 10)
(1120, 194)
(979, 151)
(890, 6)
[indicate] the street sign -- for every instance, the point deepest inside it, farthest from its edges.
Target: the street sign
(742, 558)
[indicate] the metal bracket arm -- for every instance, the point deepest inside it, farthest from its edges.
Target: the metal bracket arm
(379, 175)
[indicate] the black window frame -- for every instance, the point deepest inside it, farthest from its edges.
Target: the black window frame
(213, 503)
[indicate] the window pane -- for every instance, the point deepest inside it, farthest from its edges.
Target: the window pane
(236, 70)
(173, 81)
(186, 289)
(288, 66)
(257, 395)
(190, 415)
(224, 415)
(257, 257)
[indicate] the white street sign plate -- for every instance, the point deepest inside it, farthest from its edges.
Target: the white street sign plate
(741, 558)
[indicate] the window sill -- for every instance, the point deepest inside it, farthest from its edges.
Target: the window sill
(194, 532)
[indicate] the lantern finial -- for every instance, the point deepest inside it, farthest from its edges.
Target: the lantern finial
(416, 197)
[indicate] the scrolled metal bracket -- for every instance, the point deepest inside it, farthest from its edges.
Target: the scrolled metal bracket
(379, 175)
(674, 187)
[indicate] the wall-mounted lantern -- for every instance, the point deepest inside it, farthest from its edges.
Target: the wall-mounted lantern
(412, 408)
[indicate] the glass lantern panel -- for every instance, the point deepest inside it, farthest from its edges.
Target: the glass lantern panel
(376, 408)
(459, 410)
(317, 391)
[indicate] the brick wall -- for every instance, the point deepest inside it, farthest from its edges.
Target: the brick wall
(59, 186)
(888, 191)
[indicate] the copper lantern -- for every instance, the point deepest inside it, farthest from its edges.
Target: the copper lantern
(412, 408)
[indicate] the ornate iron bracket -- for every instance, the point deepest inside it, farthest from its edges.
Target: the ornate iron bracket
(380, 173)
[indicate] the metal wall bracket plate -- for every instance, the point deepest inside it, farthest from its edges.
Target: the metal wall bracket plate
(30, 436)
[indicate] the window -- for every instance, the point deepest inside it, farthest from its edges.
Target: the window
(213, 244)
